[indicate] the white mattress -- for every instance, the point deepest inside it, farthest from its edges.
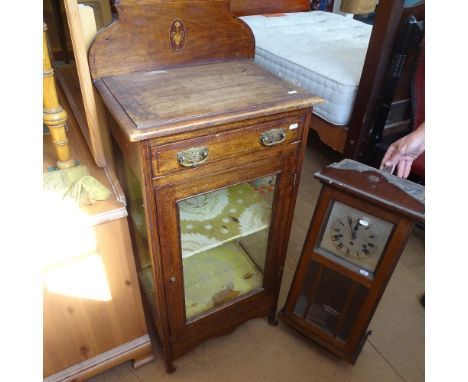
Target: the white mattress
(320, 51)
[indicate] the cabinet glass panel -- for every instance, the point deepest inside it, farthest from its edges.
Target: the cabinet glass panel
(224, 236)
(137, 220)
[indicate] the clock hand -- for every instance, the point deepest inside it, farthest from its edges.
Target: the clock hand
(350, 221)
(356, 228)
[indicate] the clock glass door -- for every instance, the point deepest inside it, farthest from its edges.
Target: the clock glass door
(223, 240)
(329, 300)
(354, 238)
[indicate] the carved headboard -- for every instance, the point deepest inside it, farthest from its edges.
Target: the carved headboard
(154, 34)
(257, 7)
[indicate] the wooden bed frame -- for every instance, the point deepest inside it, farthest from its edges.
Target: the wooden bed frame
(257, 7)
(352, 140)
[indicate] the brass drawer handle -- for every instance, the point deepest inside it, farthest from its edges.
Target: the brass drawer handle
(192, 156)
(273, 137)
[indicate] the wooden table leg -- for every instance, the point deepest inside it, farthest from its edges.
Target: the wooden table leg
(54, 116)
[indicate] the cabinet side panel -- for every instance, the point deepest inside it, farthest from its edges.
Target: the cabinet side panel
(103, 312)
(130, 175)
(134, 173)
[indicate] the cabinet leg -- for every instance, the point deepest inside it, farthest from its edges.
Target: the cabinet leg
(168, 360)
(169, 365)
(272, 319)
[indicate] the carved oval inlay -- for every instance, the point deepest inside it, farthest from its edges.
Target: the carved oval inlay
(177, 35)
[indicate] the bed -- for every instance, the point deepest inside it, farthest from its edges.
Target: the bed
(338, 58)
(329, 61)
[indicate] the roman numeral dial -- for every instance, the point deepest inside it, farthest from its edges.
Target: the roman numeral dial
(354, 236)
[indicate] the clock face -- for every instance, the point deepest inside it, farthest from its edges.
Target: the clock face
(354, 238)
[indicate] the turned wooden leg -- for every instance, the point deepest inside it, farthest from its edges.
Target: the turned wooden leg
(54, 116)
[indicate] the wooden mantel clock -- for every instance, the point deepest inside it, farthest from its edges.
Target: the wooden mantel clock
(359, 229)
(209, 148)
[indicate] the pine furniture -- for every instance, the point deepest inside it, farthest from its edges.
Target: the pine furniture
(76, 82)
(92, 311)
(93, 317)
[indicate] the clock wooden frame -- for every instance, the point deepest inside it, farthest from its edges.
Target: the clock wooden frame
(374, 193)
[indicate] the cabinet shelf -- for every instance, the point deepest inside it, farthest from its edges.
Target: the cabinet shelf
(214, 277)
(211, 220)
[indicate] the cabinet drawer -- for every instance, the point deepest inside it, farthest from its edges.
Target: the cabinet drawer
(200, 151)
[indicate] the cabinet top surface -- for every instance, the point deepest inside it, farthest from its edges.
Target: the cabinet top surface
(164, 102)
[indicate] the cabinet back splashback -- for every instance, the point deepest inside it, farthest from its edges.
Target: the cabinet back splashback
(154, 34)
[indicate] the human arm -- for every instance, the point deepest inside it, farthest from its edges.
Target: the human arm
(403, 152)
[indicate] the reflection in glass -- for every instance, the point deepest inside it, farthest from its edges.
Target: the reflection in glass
(224, 237)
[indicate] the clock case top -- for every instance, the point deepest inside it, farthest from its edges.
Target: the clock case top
(156, 88)
(397, 194)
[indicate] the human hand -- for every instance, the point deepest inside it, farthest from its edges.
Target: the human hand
(403, 152)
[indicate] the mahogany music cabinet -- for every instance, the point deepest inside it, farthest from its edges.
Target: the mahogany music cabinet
(210, 149)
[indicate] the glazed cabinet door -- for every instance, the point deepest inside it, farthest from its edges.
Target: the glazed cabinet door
(223, 239)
